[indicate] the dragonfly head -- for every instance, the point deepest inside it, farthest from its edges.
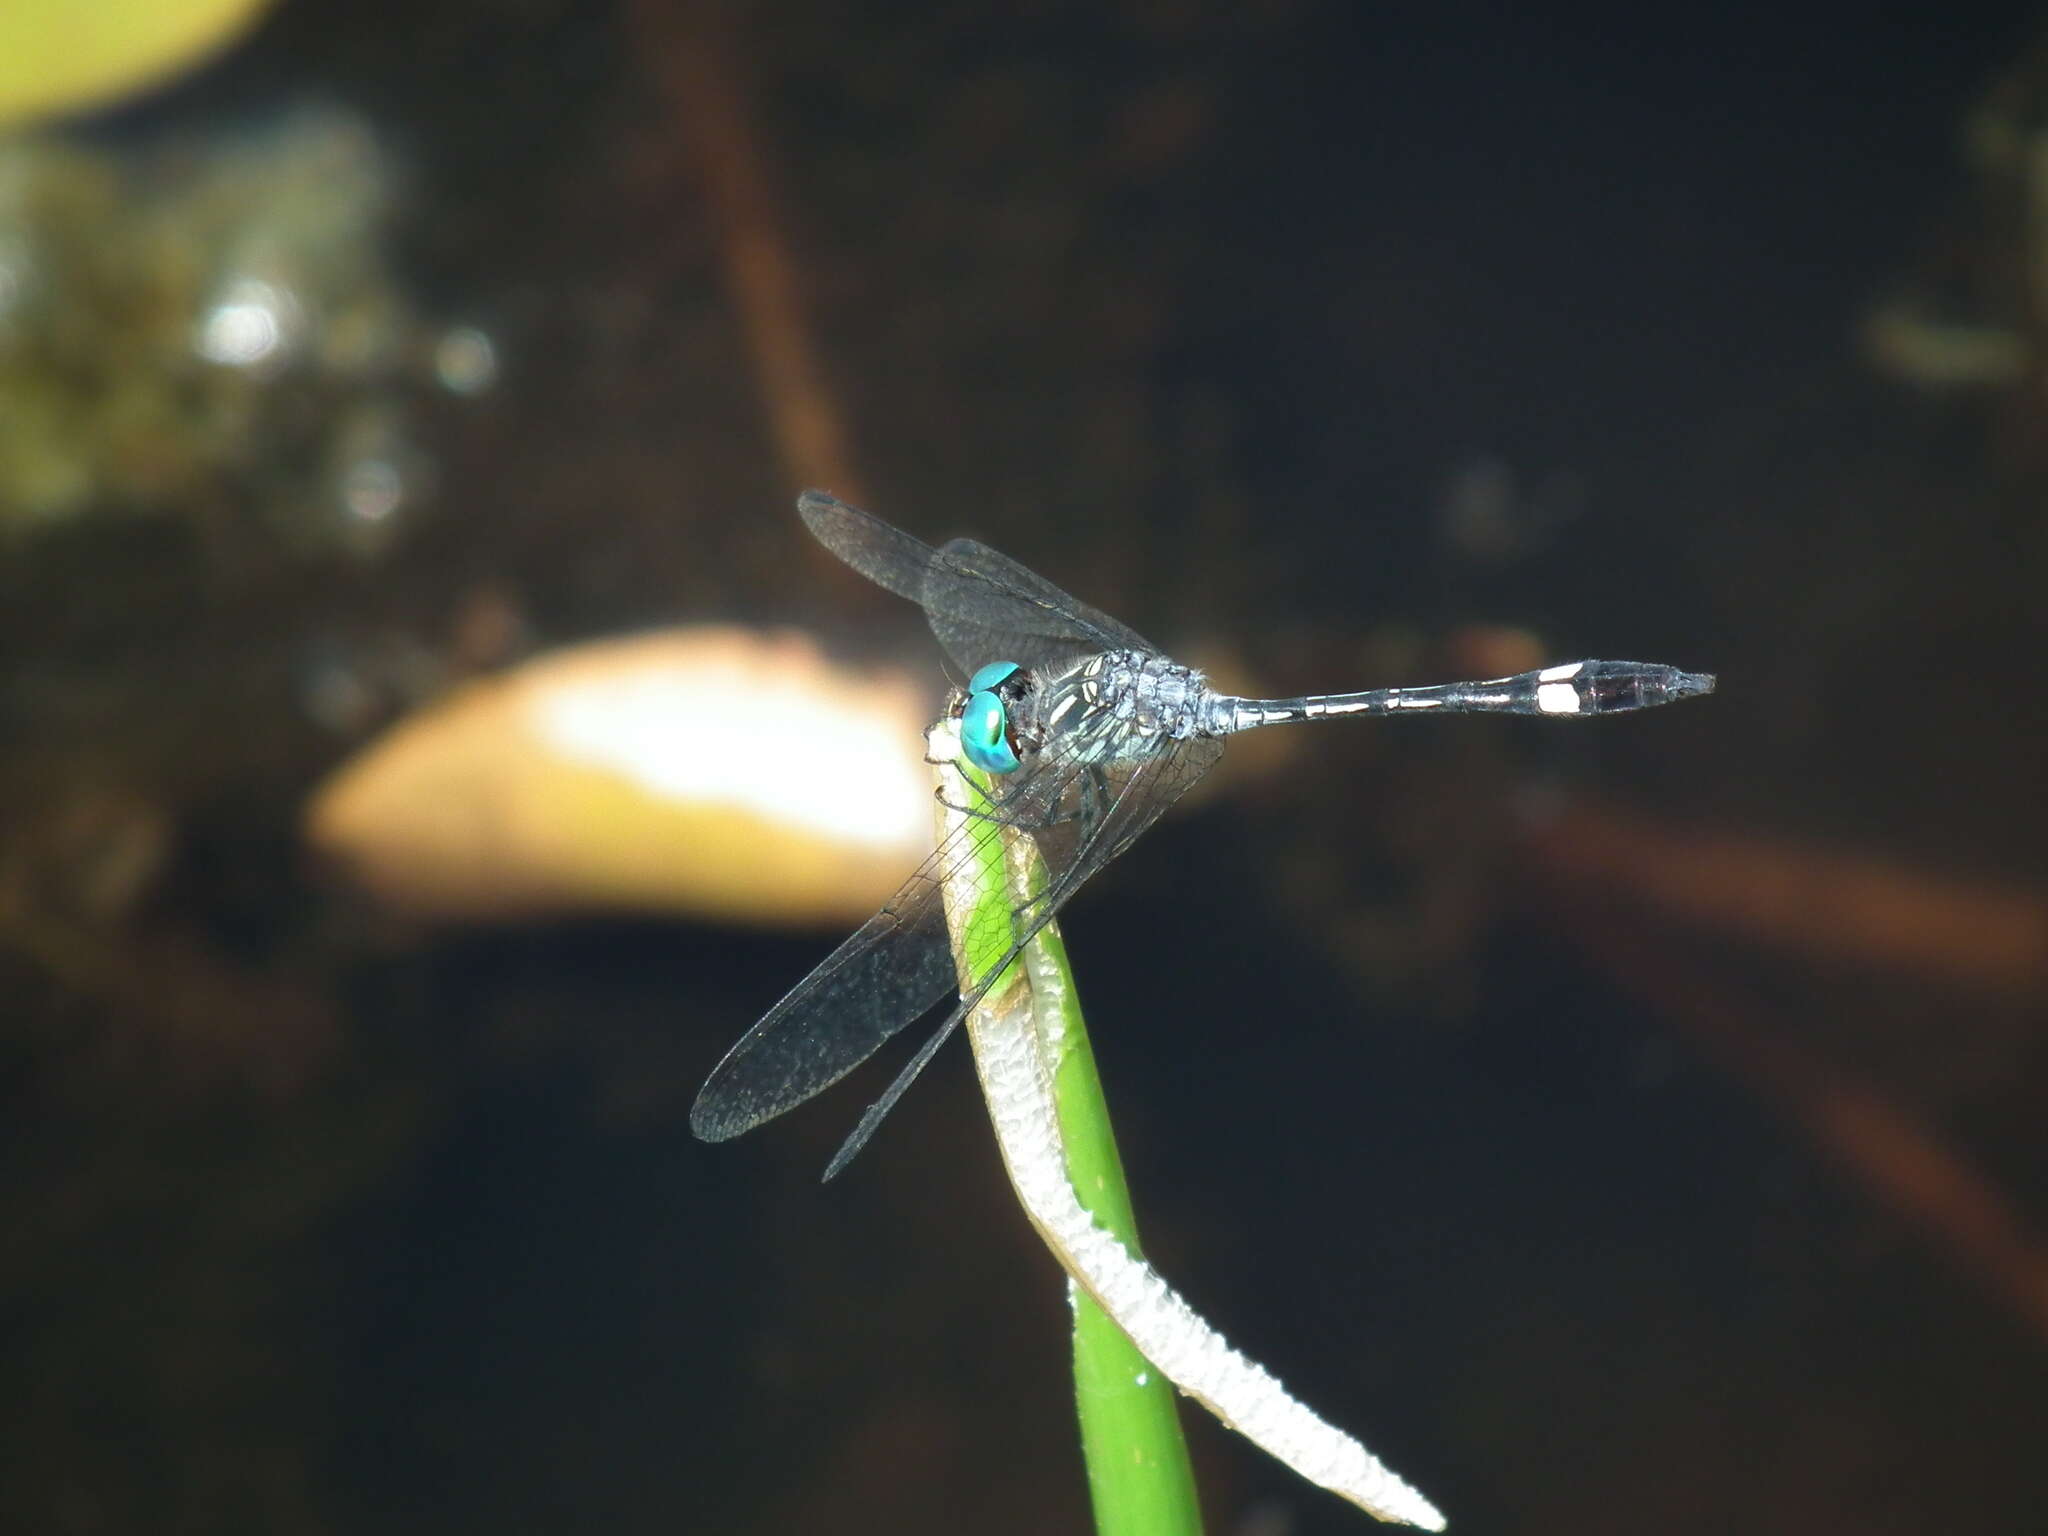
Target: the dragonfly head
(987, 734)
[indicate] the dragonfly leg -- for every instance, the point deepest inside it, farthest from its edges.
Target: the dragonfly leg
(1093, 797)
(1029, 819)
(994, 813)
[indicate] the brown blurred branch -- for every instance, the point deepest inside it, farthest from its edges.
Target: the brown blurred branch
(693, 55)
(1612, 874)
(1902, 1162)
(1834, 906)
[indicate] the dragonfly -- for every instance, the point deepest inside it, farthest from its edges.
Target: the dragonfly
(1086, 732)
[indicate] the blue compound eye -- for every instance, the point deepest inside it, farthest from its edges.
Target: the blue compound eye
(990, 676)
(984, 722)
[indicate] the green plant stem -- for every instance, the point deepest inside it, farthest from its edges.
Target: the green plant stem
(1140, 1480)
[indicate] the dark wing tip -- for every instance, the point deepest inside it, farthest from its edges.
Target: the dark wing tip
(820, 510)
(838, 1165)
(712, 1122)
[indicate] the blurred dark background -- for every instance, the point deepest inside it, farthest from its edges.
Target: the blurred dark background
(1629, 1128)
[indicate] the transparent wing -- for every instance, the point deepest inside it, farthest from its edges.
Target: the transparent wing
(894, 967)
(983, 606)
(1141, 796)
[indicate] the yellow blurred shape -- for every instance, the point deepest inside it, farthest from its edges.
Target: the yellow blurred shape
(716, 771)
(64, 55)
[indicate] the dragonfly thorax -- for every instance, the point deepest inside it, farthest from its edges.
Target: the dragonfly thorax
(1114, 706)
(1121, 705)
